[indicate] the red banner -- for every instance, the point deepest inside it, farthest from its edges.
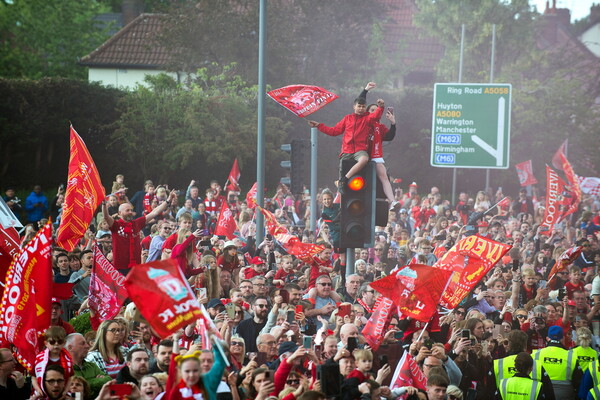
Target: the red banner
(84, 194)
(107, 289)
(26, 303)
(555, 187)
(163, 296)
(573, 198)
(291, 243)
(251, 197)
(408, 374)
(234, 177)
(525, 173)
(226, 225)
(470, 259)
(416, 289)
(302, 100)
(9, 248)
(375, 326)
(567, 258)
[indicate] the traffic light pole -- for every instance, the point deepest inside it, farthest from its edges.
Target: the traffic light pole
(313, 179)
(349, 261)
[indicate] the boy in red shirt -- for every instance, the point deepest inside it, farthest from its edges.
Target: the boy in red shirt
(320, 265)
(356, 128)
(575, 282)
(285, 270)
(258, 267)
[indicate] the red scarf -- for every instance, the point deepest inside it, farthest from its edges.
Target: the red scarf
(368, 309)
(42, 360)
(182, 392)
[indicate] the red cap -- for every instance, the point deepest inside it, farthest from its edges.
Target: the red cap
(571, 303)
(483, 224)
(257, 261)
(55, 300)
(414, 184)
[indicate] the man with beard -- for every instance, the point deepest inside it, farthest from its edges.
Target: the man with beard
(136, 368)
(78, 347)
(249, 328)
(127, 248)
(163, 357)
(54, 382)
(324, 303)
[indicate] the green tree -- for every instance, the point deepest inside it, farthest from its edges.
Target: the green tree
(45, 38)
(172, 132)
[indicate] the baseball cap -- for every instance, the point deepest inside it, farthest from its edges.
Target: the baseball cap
(483, 224)
(257, 261)
(555, 332)
(57, 301)
(214, 303)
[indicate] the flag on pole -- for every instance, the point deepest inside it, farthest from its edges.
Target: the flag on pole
(416, 289)
(525, 173)
(561, 162)
(234, 177)
(589, 185)
(107, 289)
(469, 259)
(408, 373)
(554, 211)
(84, 194)
(373, 330)
(251, 196)
(226, 225)
(26, 302)
(302, 100)
(7, 217)
(163, 296)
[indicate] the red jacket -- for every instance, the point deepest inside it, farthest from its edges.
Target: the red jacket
(356, 129)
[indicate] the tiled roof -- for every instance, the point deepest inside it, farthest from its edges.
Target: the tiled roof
(136, 45)
(414, 49)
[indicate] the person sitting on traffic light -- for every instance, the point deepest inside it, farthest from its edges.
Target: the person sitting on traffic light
(356, 128)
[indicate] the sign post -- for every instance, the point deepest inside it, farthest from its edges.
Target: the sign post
(471, 125)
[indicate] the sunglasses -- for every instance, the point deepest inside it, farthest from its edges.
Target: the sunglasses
(521, 316)
(293, 381)
(116, 330)
(260, 305)
(237, 344)
(52, 342)
(325, 284)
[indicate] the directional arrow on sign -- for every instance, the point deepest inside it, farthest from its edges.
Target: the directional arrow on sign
(497, 152)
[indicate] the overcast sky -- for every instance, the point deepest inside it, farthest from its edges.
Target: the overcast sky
(579, 8)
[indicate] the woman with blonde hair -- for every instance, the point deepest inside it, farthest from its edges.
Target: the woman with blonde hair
(183, 252)
(584, 354)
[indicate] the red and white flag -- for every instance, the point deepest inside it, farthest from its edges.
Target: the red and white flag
(374, 329)
(416, 289)
(554, 212)
(7, 217)
(470, 259)
(107, 289)
(291, 243)
(9, 248)
(226, 225)
(163, 296)
(84, 194)
(26, 303)
(302, 100)
(525, 173)
(251, 196)
(407, 373)
(234, 178)
(589, 185)
(573, 198)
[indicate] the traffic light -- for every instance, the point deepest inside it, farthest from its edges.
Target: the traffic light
(357, 207)
(298, 165)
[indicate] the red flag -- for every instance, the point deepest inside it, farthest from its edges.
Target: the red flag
(470, 259)
(373, 330)
(107, 289)
(251, 196)
(525, 173)
(564, 260)
(416, 289)
(234, 177)
(302, 100)
(26, 303)
(163, 296)
(84, 194)
(553, 213)
(226, 225)
(9, 248)
(573, 198)
(62, 291)
(504, 204)
(291, 243)
(408, 374)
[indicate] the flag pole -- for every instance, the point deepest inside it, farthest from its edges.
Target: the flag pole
(495, 205)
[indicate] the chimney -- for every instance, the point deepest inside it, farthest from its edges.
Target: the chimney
(131, 9)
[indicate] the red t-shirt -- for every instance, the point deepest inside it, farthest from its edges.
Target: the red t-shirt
(127, 248)
(379, 133)
(250, 273)
(315, 272)
(170, 242)
(282, 275)
(571, 288)
(146, 242)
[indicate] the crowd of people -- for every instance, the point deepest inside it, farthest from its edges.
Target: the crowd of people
(282, 327)
(278, 316)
